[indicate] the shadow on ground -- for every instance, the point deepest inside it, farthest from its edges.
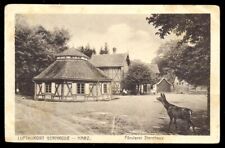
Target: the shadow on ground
(199, 119)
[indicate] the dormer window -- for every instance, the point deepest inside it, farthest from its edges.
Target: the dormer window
(60, 58)
(70, 57)
(71, 54)
(83, 58)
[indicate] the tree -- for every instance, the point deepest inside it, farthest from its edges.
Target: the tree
(128, 60)
(60, 38)
(162, 53)
(114, 49)
(34, 51)
(105, 50)
(137, 74)
(191, 63)
(87, 50)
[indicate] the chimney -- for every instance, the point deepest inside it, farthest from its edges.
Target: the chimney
(114, 50)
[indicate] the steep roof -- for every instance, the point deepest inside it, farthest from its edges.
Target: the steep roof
(72, 52)
(109, 60)
(153, 68)
(72, 70)
(165, 80)
(170, 78)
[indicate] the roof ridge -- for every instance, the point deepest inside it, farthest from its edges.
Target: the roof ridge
(109, 60)
(163, 78)
(110, 54)
(71, 52)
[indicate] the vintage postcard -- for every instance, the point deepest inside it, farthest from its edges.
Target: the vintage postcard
(112, 73)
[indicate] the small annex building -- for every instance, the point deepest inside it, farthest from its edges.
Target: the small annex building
(71, 77)
(163, 86)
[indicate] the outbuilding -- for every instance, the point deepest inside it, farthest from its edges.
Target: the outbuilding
(71, 77)
(162, 86)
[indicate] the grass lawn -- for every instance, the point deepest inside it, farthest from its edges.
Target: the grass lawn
(126, 115)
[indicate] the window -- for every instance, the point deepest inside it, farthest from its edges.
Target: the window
(80, 88)
(48, 87)
(83, 58)
(105, 88)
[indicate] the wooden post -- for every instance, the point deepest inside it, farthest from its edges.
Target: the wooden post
(96, 91)
(35, 91)
(62, 91)
(44, 89)
(110, 90)
(100, 92)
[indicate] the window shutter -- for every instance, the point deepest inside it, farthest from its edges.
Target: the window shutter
(43, 88)
(53, 87)
(86, 89)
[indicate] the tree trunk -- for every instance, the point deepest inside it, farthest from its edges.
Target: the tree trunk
(208, 105)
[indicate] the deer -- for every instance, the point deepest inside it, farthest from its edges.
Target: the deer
(176, 112)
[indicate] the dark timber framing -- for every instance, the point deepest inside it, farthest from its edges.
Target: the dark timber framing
(60, 80)
(64, 91)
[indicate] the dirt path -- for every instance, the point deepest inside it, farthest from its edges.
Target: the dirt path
(127, 115)
(43, 122)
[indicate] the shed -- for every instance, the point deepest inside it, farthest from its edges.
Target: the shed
(163, 86)
(72, 77)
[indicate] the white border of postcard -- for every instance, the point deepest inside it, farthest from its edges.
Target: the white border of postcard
(11, 10)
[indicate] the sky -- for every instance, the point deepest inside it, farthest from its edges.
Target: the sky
(129, 33)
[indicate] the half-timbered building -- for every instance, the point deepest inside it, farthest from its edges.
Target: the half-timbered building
(71, 77)
(115, 66)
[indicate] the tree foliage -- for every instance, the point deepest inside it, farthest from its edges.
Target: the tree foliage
(87, 50)
(137, 74)
(191, 62)
(162, 57)
(105, 50)
(34, 51)
(114, 49)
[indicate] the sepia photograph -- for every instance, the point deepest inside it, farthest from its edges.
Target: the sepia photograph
(112, 74)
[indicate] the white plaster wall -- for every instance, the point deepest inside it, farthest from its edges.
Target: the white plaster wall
(66, 90)
(43, 87)
(74, 88)
(86, 88)
(53, 87)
